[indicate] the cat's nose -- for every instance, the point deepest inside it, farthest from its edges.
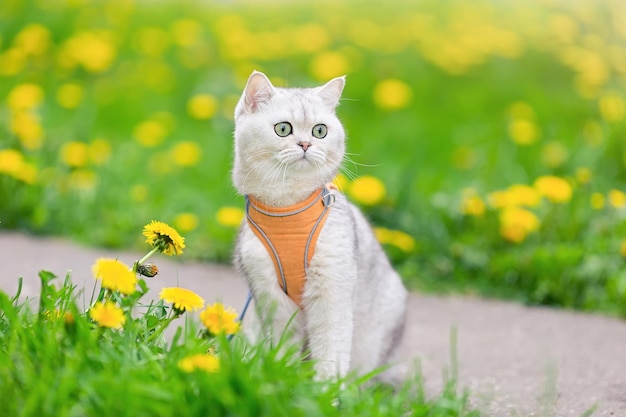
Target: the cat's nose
(304, 145)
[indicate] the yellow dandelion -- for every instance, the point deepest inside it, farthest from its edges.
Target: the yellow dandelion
(583, 175)
(622, 248)
(218, 319)
(107, 315)
(383, 235)
(617, 198)
(328, 64)
(165, 238)
(202, 362)
(186, 153)
(612, 108)
(186, 222)
(114, 275)
(27, 128)
(229, 216)
(403, 241)
(11, 161)
(523, 195)
(367, 190)
(75, 154)
(25, 97)
(33, 39)
(202, 106)
(69, 95)
(181, 299)
(150, 133)
(555, 189)
(597, 201)
(392, 94)
(516, 223)
(473, 205)
(523, 132)
(99, 151)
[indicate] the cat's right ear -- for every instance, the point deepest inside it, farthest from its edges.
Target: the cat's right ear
(258, 90)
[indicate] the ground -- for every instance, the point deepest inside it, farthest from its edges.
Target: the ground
(515, 360)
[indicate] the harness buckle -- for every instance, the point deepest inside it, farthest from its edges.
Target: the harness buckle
(328, 199)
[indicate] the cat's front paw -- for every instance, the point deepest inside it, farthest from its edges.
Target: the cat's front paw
(326, 371)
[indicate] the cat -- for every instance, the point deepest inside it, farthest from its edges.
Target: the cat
(289, 144)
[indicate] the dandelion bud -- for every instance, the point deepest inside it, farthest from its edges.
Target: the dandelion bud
(147, 270)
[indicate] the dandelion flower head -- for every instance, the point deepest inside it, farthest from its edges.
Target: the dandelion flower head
(107, 315)
(208, 363)
(182, 299)
(218, 319)
(165, 238)
(114, 275)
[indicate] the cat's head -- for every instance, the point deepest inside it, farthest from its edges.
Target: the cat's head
(288, 141)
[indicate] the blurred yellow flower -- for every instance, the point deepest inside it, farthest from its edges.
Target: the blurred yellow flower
(114, 275)
(12, 61)
(523, 132)
(367, 190)
(593, 133)
(181, 299)
(25, 97)
(164, 237)
(186, 153)
(202, 362)
(26, 127)
(186, 222)
(152, 41)
(69, 95)
(617, 198)
(202, 106)
(516, 223)
(218, 319)
(555, 189)
(554, 154)
(107, 315)
(597, 201)
(27, 173)
(392, 94)
(397, 238)
(521, 110)
(99, 151)
(150, 133)
(11, 161)
(229, 216)
(74, 154)
(93, 50)
(622, 248)
(33, 39)
(472, 205)
(310, 38)
(523, 195)
(583, 175)
(341, 181)
(328, 64)
(612, 108)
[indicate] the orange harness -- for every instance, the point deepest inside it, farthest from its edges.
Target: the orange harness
(289, 234)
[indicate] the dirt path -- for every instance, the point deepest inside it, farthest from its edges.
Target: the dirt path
(515, 360)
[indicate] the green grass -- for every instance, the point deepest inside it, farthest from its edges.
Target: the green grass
(466, 65)
(55, 361)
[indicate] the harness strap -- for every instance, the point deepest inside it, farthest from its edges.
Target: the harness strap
(289, 234)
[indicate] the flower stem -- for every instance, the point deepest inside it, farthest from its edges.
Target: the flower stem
(145, 258)
(160, 330)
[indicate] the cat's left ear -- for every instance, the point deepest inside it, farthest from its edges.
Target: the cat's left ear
(258, 90)
(331, 91)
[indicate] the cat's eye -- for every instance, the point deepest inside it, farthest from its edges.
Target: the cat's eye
(320, 131)
(283, 129)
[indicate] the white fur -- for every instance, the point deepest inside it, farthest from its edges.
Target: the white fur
(354, 302)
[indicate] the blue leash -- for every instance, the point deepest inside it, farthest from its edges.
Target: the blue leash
(243, 312)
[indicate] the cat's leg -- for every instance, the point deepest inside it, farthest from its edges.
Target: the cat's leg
(328, 311)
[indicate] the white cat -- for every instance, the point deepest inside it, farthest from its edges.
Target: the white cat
(289, 144)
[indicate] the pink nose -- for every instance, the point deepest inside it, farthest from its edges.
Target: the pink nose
(304, 145)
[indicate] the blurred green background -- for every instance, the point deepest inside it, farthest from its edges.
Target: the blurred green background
(486, 138)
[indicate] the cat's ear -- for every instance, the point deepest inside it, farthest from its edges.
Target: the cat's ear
(258, 90)
(331, 91)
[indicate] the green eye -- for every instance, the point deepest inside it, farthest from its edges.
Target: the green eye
(320, 131)
(283, 129)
